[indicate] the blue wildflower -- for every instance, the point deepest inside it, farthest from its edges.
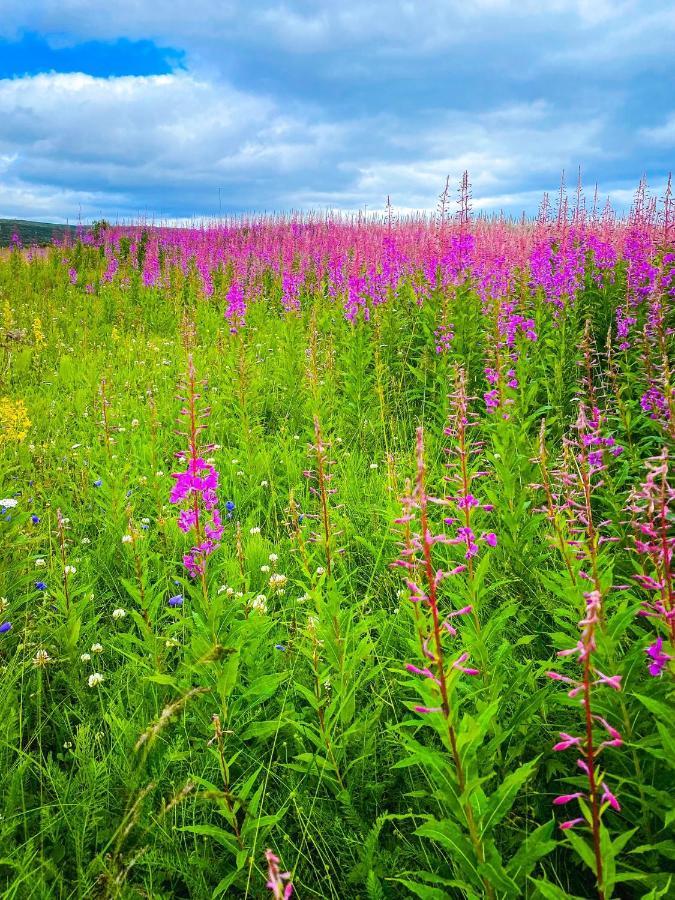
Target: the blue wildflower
(279, 647)
(35, 519)
(176, 601)
(98, 482)
(229, 506)
(5, 627)
(40, 585)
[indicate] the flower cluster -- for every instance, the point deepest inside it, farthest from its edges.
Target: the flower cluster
(462, 472)
(197, 486)
(655, 542)
(278, 882)
(598, 795)
(14, 421)
(423, 580)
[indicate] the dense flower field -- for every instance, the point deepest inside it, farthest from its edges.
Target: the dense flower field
(336, 558)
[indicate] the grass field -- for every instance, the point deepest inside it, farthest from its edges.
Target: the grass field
(347, 541)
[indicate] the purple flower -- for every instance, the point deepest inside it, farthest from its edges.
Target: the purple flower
(98, 483)
(5, 627)
(177, 600)
(35, 519)
(40, 586)
(659, 658)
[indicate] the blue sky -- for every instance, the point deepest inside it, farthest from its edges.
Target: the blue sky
(183, 108)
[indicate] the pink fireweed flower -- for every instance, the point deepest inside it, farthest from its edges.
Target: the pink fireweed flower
(278, 882)
(608, 797)
(659, 659)
(570, 823)
(197, 486)
(567, 741)
(417, 549)
(651, 506)
(573, 495)
(463, 471)
(567, 798)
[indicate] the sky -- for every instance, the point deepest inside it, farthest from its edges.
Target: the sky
(195, 108)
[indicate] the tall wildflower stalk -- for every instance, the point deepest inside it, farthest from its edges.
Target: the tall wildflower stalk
(321, 478)
(196, 487)
(655, 542)
(580, 478)
(462, 472)
(441, 667)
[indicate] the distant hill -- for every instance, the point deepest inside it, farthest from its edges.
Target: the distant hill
(32, 232)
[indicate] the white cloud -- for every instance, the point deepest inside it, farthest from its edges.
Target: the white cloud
(75, 136)
(409, 26)
(661, 135)
(164, 145)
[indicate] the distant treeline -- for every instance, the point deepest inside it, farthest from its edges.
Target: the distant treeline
(41, 233)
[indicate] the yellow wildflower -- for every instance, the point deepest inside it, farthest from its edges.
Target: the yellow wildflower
(14, 421)
(38, 333)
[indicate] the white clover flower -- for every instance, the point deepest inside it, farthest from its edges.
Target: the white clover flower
(239, 595)
(159, 474)
(235, 462)
(255, 530)
(373, 465)
(145, 521)
(264, 569)
(85, 657)
(97, 648)
(40, 563)
(273, 558)
(95, 679)
(320, 570)
(264, 484)
(86, 540)
(240, 474)
(119, 613)
(278, 581)
(135, 423)
(304, 598)
(9, 503)
(222, 589)
(230, 592)
(41, 658)
(70, 570)
(127, 539)
(260, 603)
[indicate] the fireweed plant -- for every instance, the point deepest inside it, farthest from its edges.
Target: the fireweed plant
(213, 682)
(196, 487)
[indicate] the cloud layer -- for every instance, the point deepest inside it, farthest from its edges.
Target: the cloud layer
(298, 105)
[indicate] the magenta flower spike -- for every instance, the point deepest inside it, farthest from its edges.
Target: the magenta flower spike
(196, 487)
(277, 881)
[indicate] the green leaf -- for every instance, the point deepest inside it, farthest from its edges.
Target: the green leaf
(446, 833)
(660, 710)
(582, 849)
(550, 891)
(501, 801)
(224, 838)
(535, 846)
